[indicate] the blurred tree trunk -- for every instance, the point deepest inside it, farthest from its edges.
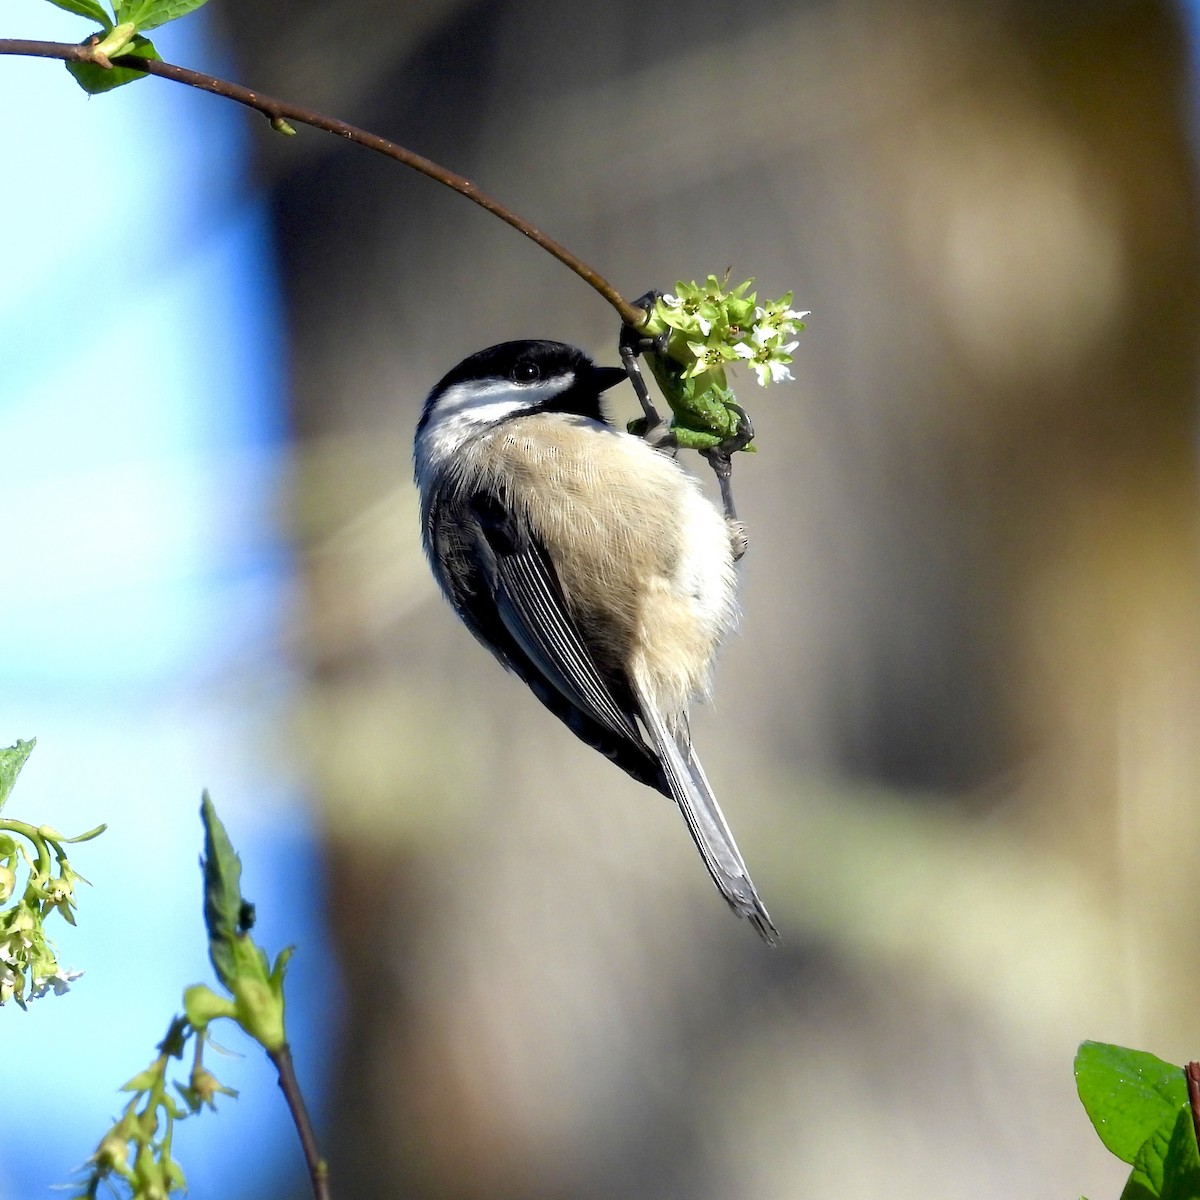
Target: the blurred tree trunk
(973, 574)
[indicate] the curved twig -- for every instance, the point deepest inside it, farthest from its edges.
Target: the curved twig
(280, 111)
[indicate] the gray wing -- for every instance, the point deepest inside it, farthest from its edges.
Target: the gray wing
(524, 599)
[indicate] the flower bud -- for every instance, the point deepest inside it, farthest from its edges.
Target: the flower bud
(112, 1154)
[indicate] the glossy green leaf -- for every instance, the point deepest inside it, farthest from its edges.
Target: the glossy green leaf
(222, 894)
(150, 14)
(1181, 1167)
(94, 80)
(1167, 1167)
(1128, 1095)
(11, 762)
(91, 9)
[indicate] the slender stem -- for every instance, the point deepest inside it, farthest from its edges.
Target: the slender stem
(33, 836)
(318, 1171)
(1192, 1073)
(279, 111)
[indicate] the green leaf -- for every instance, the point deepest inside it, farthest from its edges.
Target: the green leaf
(202, 1006)
(222, 894)
(150, 14)
(11, 762)
(83, 837)
(1128, 1094)
(1167, 1167)
(86, 8)
(95, 79)
(1181, 1167)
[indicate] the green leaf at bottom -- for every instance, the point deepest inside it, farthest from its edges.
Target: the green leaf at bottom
(95, 79)
(1167, 1167)
(1128, 1094)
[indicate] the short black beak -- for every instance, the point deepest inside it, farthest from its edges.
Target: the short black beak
(608, 377)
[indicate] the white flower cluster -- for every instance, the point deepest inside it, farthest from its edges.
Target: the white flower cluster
(722, 326)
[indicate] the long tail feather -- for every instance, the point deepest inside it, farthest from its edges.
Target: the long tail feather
(706, 823)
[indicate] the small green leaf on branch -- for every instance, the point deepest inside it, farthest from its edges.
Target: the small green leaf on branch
(96, 79)
(222, 892)
(241, 965)
(150, 14)
(90, 9)
(11, 761)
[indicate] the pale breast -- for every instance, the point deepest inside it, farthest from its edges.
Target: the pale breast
(642, 554)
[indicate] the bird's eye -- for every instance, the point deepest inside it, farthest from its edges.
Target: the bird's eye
(525, 372)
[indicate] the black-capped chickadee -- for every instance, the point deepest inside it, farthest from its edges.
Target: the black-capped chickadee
(589, 563)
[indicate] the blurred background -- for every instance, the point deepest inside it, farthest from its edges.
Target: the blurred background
(956, 734)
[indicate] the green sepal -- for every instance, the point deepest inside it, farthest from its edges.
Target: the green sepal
(86, 8)
(95, 79)
(176, 1180)
(260, 1012)
(12, 760)
(83, 837)
(278, 971)
(258, 992)
(143, 1081)
(1128, 1095)
(202, 1006)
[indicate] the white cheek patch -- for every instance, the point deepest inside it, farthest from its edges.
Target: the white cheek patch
(467, 408)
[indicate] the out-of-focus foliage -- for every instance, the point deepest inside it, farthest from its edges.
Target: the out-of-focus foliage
(137, 1152)
(1139, 1107)
(29, 966)
(956, 729)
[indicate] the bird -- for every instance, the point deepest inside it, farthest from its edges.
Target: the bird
(590, 563)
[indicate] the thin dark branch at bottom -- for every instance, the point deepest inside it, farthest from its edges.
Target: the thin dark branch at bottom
(318, 1171)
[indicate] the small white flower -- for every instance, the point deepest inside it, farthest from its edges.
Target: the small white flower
(770, 363)
(774, 316)
(13, 949)
(60, 981)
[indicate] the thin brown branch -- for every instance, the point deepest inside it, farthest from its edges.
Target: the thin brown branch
(277, 111)
(318, 1171)
(1192, 1074)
